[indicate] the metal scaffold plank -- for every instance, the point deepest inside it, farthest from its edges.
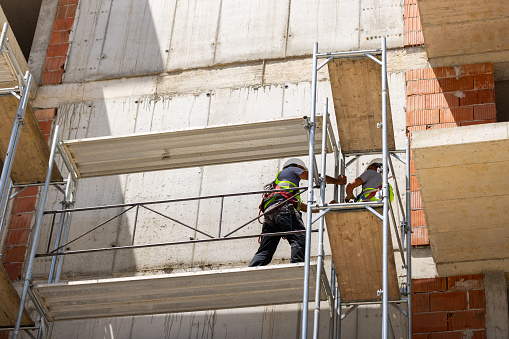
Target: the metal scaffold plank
(355, 236)
(183, 292)
(355, 85)
(188, 148)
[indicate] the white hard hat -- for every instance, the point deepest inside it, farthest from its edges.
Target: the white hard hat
(295, 161)
(375, 161)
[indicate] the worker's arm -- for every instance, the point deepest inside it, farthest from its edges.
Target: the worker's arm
(350, 187)
(340, 180)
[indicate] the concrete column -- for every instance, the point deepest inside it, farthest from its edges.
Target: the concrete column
(497, 325)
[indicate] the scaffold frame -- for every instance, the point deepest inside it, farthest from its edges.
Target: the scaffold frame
(316, 180)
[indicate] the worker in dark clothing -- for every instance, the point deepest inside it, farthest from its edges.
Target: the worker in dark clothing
(286, 214)
(371, 181)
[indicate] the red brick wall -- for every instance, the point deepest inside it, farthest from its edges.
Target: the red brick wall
(413, 28)
(445, 97)
(449, 307)
(23, 212)
(56, 55)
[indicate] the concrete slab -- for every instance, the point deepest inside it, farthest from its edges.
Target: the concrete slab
(380, 19)
(189, 148)
(193, 42)
(333, 24)
(126, 39)
(184, 292)
(251, 30)
(460, 27)
(462, 174)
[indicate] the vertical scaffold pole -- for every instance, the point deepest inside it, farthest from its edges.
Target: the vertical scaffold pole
(385, 187)
(63, 218)
(309, 216)
(40, 210)
(319, 261)
(409, 240)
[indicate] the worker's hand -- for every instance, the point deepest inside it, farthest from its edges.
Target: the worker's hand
(349, 198)
(341, 179)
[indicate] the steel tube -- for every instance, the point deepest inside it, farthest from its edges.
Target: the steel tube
(348, 54)
(2, 37)
(316, 321)
(155, 202)
(408, 239)
(4, 208)
(396, 186)
(195, 241)
(385, 188)
(135, 223)
(333, 304)
(39, 184)
(28, 275)
(348, 205)
(221, 216)
(338, 313)
(93, 229)
(398, 239)
(70, 192)
(305, 298)
(350, 310)
(58, 240)
(376, 302)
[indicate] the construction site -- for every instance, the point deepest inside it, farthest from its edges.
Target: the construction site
(138, 139)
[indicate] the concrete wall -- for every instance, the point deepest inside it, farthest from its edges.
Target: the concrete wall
(139, 66)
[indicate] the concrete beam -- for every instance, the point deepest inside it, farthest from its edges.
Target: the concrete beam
(496, 305)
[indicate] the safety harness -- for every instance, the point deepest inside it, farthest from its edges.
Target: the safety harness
(270, 197)
(369, 194)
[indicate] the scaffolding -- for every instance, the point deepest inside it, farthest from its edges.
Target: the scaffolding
(25, 168)
(227, 144)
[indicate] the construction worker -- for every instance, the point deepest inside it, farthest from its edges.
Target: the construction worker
(371, 181)
(284, 213)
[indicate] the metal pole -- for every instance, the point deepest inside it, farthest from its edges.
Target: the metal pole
(221, 217)
(385, 187)
(316, 323)
(72, 193)
(63, 218)
(4, 209)
(333, 303)
(342, 188)
(28, 276)
(2, 37)
(338, 313)
(409, 240)
(305, 298)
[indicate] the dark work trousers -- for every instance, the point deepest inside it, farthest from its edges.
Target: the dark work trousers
(281, 219)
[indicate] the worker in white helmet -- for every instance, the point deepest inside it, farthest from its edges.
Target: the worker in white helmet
(284, 213)
(371, 181)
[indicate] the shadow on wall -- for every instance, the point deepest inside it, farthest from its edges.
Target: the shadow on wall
(114, 38)
(110, 38)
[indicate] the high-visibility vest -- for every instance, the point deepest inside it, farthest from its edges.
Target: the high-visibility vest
(369, 194)
(282, 184)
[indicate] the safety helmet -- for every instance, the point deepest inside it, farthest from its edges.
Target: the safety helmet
(295, 161)
(377, 161)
